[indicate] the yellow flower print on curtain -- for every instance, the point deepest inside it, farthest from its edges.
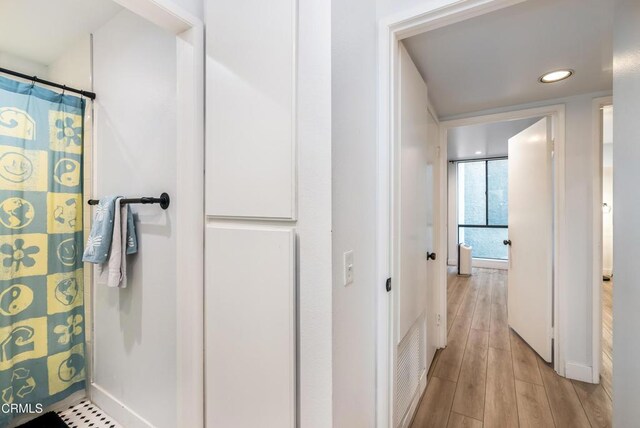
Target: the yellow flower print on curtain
(42, 332)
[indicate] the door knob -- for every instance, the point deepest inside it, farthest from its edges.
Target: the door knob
(431, 256)
(507, 242)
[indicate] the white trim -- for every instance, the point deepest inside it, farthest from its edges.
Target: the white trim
(516, 114)
(189, 32)
(557, 112)
(163, 13)
(483, 263)
(116, 409)
(578, 372)
(190, 228)
(490, 263)
(598, 271)
(391, 31)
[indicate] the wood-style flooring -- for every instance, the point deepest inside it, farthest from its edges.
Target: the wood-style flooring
(607, 337)
(487, 376)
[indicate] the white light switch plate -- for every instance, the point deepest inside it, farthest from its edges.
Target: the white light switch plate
(348, 267)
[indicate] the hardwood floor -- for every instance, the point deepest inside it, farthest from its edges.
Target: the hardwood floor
(607, 337)
(488, 376)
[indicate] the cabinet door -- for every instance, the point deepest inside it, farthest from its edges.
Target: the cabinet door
(250, 327)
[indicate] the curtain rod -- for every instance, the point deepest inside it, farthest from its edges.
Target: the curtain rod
(36, 79)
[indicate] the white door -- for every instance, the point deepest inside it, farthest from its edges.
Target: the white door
(433, 169)
(412, 239)
(531, 236)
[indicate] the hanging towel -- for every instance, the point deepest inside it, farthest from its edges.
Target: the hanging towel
(113, 273)
(112, 238)
(99, 242)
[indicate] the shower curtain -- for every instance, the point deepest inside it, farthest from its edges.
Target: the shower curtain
(42, 358)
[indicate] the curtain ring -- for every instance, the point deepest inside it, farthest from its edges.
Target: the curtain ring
(33, 81)
(64, 88)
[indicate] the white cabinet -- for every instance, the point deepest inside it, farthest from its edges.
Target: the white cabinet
(250, 327)
(250, 117)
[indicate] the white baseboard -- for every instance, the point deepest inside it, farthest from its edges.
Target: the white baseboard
(116, 409)
(490, 264)
(483, 263)
(578, 372)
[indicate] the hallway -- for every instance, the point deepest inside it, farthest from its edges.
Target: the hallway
(487, 376)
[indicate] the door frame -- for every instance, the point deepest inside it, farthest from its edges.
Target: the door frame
(395, 251)
(189, 224)
(391, 30)
(596, 296)
(557, 114)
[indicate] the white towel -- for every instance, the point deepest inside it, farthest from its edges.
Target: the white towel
(113, 273)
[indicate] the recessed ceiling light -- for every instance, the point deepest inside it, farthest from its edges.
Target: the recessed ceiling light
(555, 76)
(478, 152)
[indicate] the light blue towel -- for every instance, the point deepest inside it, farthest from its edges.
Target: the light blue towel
(99, 242)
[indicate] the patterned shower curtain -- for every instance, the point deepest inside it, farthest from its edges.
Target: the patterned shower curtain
(42, 358)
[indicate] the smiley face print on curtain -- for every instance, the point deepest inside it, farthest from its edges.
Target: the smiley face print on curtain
(42, 355)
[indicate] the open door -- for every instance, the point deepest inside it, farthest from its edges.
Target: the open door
(413, 208)
(531, 236)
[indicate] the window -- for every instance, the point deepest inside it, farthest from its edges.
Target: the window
(483, 207)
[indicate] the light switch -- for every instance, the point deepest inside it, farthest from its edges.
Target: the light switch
(348, 267)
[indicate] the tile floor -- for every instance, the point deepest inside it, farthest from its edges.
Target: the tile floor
(87, 414)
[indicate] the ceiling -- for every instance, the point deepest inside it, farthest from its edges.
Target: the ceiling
(490, 139)
(42, 30)
(495, 60)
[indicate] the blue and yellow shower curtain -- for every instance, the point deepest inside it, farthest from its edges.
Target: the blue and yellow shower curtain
(42, 355)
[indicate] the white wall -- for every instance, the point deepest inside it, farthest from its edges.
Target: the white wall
(22, 65)
(386, 8)
(607, 220)
(353, 118)
(626, 213)
(195, 7)
(134, 370)
(73, 67)
(314, 212)
(452, 214)
(231, 70)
